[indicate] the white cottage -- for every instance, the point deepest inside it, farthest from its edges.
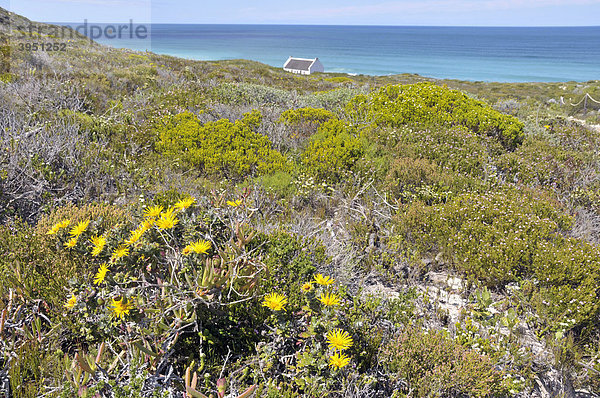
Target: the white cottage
(303, 66)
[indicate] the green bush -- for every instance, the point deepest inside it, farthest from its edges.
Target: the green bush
(539, 162)
(332, 152)
(306, 115)
(411, 179)
(427, 104)
(503, 237)
(430, 364)
(492, 236)
(233, 150)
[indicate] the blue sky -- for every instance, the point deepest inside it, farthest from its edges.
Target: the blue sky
(334, 12)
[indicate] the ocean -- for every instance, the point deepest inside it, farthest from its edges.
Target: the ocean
(466, 53)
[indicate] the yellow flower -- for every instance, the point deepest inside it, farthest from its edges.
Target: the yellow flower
(120, 309)
(135, 235)
(307, 287)
(167, 220)
(547, 126)
(71, 302)
(71, 242)
(146, 224)
(154, 211)
(329, 299)
(185, 203)
(57, 227)
(199, 247)
(234, 203)
(339, 340)
(79, 228)
(121, 251)
(99, 242)
(101, 274)
(338, 360)
(275, 301)
(323, 280)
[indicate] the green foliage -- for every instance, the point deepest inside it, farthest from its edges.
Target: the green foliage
(233, 150)
(280, 182)
(432, 364)
(492, 236)
(419, 179)
(539, 162)
(426, 104)
(508, 236)
(333, 152)
(289, 261)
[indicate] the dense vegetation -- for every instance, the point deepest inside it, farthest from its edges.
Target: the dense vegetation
(174, 228)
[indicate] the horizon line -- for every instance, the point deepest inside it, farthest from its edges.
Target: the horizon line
(342, 25)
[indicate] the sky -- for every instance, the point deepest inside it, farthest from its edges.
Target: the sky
(319, 12)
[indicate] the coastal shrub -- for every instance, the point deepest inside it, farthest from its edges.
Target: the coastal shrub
(233, 150)
(411, 179)
(426, 104)
(431, 364)
(502, 237)
(249, 94)
(306, 115)
(304, 122)
(538, 162)
(334, 100)
(492, 236)
(332, 152)
(455, 150)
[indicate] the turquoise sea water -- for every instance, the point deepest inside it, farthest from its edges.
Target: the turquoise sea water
(487, 54)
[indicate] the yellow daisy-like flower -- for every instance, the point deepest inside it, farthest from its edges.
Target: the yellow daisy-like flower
(153, 211)
(338, 360)
(275, 301)
(167, 220)
(71, 242)
(329, 299)
(323, 280)
(199, 247)
(57, 227)
(184, 203)
(99, 242)
(101, 274)
(135, 235)
(71, 302)
(79, 228)
(146, 224)
(120, 308)
(236, 203)
(307, 287)
(119, 252)
(339, 340)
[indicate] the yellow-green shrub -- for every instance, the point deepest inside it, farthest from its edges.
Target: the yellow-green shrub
(233, 150)
(426, 104)
(332, 152)
(306, 115)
